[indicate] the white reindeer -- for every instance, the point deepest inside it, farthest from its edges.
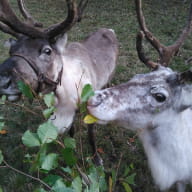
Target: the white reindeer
(158, 106)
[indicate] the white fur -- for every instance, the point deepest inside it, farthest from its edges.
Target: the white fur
(89, 62)
(171, 160)
(164, 127)
(72, 82)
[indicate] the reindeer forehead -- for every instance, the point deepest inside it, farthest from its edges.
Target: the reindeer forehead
(159, 76)
(142, 85)
(29, 44)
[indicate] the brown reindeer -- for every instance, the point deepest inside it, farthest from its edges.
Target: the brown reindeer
(43, 59)
(158, 105)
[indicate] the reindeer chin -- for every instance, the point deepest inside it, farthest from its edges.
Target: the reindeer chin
(13, 98)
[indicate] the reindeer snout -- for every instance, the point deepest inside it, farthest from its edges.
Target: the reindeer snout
(9, 88)
(5, 82)
(8, 85)
(97, 99)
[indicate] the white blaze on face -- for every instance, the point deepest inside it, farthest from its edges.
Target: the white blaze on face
(106, 105)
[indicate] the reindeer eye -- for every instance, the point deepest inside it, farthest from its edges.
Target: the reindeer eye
(47, 51)
(159, 97)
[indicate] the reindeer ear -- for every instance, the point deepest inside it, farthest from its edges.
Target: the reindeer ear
(61, 43)
(173, 79)
(186, 76)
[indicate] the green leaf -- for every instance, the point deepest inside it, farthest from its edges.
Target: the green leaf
(30, 139)
(51, 179)
(77, 184)
(102, 182)
(83, 107)
(25, 89)
(131, 166)
(1, 157)
(3, 99)
(49, 99)
(1, 190)
(39, 158)
(47, 132)
(61, 187)
(50, 162)
(70, 142)
(113, 175)
(67, 170)
(97, 177)
(69, 157)
(86, 92)
(131, 179)
(126, 171)
(2, 125)
(40, 190)
(126, 187)
(48, 112)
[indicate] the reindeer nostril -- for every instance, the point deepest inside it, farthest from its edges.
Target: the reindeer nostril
(96, 100)
(7, 84)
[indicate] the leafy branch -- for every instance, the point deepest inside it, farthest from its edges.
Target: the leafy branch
(25, 174)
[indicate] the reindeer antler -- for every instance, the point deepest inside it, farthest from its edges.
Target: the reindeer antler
(82, 5)
(11, 24)
(8, 30)
(66, 25)
(8, 17)
(29, 18)
(165, 52)
(140, 51)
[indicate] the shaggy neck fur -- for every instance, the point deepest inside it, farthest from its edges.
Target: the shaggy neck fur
(168, 148)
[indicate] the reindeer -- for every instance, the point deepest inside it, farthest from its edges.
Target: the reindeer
(158, 106)
(42, 58)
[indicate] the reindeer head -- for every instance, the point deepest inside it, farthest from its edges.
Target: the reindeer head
(36, 55)
(137, 103)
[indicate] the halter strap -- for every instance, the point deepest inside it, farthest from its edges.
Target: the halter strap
(41, 77)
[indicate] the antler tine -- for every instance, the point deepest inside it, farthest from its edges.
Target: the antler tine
(148, 35)
(141, 54)
(66, 25)
(165, 52)
(27, 15)
(8, 17)
(81, 7)
(8, 30)
(186, 31)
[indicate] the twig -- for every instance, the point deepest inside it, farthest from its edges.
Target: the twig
(80, 140)
(84, 176)
(117, 171)
(27, 175)
(3, 167)
(77, 88)
(25, 108)
(79, 118)
(60, 143)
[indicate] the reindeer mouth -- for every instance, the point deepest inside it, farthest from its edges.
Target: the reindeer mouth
(13, 97)
(93, 110)
(9, 88)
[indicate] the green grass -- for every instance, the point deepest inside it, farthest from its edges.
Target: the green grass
(164, 18)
